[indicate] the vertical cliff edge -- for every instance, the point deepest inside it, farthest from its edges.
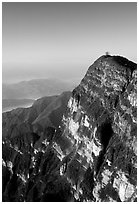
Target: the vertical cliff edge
(101, 125)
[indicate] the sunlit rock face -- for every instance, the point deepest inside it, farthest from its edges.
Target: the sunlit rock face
(101, 126)
(91, 154)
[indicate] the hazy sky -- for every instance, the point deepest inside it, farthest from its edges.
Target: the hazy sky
(62, 40)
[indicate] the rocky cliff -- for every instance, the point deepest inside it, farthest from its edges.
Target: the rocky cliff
(89, 155)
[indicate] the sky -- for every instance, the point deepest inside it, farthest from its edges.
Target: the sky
(61, 40)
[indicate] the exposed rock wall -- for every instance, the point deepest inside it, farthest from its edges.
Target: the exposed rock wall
(101, 127)
(92, 154)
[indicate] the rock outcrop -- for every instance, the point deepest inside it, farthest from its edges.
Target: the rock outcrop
(91, 154)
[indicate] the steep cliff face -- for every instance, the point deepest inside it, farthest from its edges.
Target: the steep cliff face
(101, 125)
(91, 155)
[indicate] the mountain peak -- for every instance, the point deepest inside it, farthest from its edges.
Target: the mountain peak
(80, 146)
(108, 74)
(102, 117)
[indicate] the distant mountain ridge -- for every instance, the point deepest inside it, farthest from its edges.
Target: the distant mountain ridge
(36, 88)
(9, 104)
